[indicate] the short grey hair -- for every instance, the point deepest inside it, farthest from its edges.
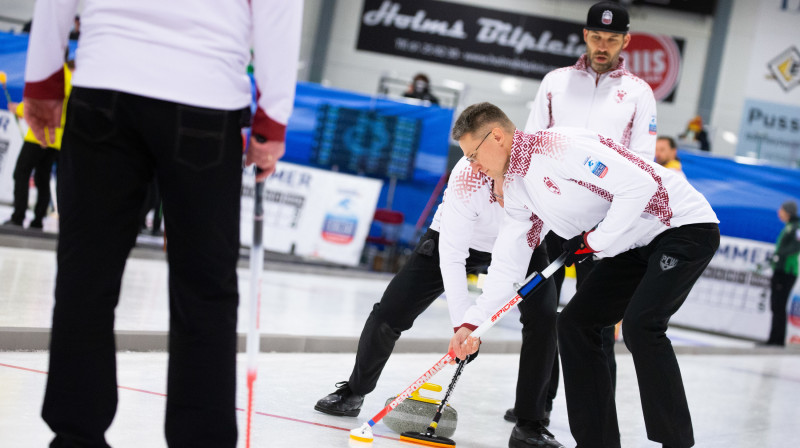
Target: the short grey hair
(477, 117)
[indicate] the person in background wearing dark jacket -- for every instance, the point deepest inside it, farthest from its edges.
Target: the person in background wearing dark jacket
(420, 88)
(784, 271)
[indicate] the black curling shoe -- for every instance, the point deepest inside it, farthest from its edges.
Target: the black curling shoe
(527, 434)
(342, 403)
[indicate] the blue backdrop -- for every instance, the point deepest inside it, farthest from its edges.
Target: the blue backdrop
(745, 197)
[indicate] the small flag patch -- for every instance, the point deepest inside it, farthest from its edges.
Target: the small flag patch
(598, 168)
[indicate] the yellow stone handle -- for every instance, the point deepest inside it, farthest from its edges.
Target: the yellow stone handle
(427, 386)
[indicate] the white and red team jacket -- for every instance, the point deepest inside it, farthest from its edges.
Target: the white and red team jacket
(183, 51)
(469, 217)
(570, 180)
(616, 104)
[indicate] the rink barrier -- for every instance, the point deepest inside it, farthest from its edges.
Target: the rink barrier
(37, 339)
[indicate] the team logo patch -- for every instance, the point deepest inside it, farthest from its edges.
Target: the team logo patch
(597, 167)
(607, 18)
(668, 262)
(621, 95)
(653, 128)
(551, 186)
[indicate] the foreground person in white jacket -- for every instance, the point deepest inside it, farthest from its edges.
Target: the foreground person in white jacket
(653, 232)
(160, 91)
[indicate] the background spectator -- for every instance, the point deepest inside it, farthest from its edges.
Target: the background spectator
(667, 153)
(420, 88)
(784, 271)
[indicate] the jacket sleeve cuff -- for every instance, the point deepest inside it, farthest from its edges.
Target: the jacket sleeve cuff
(468, 326)
(586, 240)
(50, 88)
(267, 127)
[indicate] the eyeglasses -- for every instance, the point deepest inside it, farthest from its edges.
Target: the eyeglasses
(471, 159)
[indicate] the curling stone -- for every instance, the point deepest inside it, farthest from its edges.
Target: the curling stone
(415, 413)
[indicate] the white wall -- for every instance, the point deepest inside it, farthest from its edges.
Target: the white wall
(20, 10)
(311, 10)
(740, 75)
(726, 114)
(360, 71)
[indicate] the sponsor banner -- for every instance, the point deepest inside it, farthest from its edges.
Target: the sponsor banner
(770, 131)
(656, 59)
(313, 213)
(10, 144)
(502, 42)
(732, 295)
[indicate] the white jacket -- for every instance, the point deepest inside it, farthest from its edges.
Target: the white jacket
(469, 217)
(616, 104)
(571, 180)
(184, 51)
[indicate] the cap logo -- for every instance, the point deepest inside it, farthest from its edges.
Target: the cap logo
(607, 18)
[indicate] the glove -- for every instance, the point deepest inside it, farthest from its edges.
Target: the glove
(471, 357)
(577, 250)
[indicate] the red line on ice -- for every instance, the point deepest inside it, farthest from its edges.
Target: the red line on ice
(238, 409)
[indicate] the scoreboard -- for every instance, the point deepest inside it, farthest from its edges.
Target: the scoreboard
(365, 142)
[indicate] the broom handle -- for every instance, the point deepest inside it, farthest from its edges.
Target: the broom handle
(253, 331)
(531, 283)
(456, 375)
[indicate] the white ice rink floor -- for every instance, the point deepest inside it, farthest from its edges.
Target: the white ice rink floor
(740, 395)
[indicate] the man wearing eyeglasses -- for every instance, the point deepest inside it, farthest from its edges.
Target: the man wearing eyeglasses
(459, 240)
(600, 94)
(654, 235)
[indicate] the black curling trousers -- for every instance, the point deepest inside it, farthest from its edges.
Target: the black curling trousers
(781, 287)
(409, 293)
(582, 270)
(538, 352)
(113, 146)
(643, 287)
(33, 159)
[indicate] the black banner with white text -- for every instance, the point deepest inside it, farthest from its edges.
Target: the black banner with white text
(497, 41)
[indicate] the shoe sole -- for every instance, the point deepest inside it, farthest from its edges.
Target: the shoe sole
(516, 443)
(351, 413)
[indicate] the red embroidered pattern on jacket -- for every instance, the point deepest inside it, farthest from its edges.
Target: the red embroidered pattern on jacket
(524, 146)
(605, 194)
(535, 233)
(466, 182)
(659, 203)
(581, 64)
(551, 122)
(626, 134)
